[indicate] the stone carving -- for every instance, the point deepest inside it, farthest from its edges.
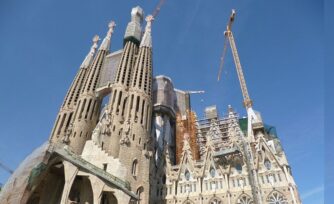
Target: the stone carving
(125, 140)
(127, 127)
(106, 123)
(68, 133)
(103, 128)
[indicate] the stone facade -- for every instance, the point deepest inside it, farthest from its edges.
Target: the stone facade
(147, 145)
(223, 174)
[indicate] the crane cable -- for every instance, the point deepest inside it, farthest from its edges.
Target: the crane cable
(222, 58)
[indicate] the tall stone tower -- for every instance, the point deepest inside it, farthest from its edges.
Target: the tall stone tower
(130, 107)
(180, 159)
(119, 96)
(70, 102)
(83, 119)
(135, 144)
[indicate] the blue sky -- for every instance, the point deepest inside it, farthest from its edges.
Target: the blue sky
(280, 45)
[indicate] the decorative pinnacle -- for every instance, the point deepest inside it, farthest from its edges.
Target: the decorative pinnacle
(106, 41)
(91, 53)
(149, 20)
(147, 39)
(96, 39)
(111, 26)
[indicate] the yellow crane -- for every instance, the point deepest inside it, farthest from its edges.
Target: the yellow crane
(254, 120)
(229, 35)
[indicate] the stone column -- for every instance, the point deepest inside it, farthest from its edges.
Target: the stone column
(97, 186)
(70, 174)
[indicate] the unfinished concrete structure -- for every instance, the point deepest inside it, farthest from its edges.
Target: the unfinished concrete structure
(147, 144)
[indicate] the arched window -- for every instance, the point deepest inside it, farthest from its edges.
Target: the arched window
(140, 190)
(187, 175)
(271, 179)
(134, 167)
(238, 167)
(212, 172)
(276, 198)
(267, 164)
(245, 199)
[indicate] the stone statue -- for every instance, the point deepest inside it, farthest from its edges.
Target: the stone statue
(68, 133)
(103, 128)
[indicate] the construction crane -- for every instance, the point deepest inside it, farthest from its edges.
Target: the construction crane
(188, 96)
(6, 168)
(229, 36)
(254, 121)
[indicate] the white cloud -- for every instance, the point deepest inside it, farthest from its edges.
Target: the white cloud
(312, 192)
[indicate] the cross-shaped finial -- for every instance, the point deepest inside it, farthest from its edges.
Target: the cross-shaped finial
(112, 24)
(96, 39)
(149, 18)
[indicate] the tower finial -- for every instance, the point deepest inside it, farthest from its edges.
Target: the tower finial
(106, 41)
(96, 39)
(147, 39)
(91, 53)
(149, 20)
(111, 26)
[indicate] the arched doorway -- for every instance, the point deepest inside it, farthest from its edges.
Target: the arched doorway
(108, 198)
(81, 191)
(50, 187)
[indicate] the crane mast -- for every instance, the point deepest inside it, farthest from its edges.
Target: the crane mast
(228, 33)
(253, 119)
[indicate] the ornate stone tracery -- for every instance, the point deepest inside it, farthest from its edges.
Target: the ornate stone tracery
(245, 199)
(276, 198)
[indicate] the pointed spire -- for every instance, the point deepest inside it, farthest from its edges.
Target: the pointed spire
(147, 38)
(91, 53)
(209, 142)
(106, 41)
(231, 113)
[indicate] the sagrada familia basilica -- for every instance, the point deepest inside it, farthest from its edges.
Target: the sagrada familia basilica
(146, 145)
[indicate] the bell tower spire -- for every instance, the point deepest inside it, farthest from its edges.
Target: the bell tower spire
(119, 97)
(105, 45)
(70, 101)
(135, 141)
(87, 111)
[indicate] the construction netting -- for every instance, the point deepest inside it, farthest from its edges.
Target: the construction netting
(269, 129)
(14, 189)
